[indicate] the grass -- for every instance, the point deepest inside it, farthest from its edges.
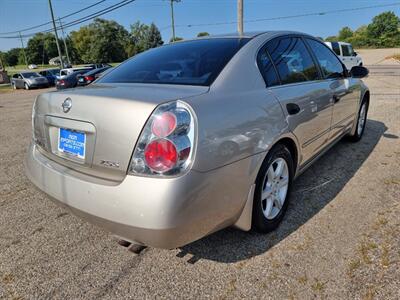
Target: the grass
(364, 249)
(318, 286)
(353, 265)
(385, 256)
(394, 56)
(5, 88)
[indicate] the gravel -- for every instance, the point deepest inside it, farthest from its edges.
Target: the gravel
(340, 238)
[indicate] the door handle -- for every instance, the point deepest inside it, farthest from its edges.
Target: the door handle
(292, 108)
(336, 98)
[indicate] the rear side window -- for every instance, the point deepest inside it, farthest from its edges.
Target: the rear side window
(346, 50)
(330, 65)
(267, 69)
(196, 62)
(336, 48)
(292, 60)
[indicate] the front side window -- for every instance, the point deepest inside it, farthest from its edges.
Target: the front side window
(329, 63)
(196, 62)
(346, 50)
(351, 50)
(336, 48)
(292, 60)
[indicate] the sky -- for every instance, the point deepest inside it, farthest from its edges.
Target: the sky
(20, 14)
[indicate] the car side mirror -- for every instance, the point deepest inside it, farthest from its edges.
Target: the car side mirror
(355, 53)
(359, 72)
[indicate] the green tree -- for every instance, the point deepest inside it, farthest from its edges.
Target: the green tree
(82, 41)
(360, 38)
(384, 30)
(344, 34)
(143, 37)
(101, 41)
(177, 39)
(11, 57)
(200, 34)
(42, 47)
(332, 38)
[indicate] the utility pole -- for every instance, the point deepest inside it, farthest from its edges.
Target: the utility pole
(240, 16)
(65, 43)
(23, 49)
(172, 18)
(56, 34)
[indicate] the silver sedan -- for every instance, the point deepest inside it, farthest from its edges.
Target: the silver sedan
(28, 80)
(192, 137)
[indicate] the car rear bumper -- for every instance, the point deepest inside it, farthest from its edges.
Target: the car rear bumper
(38, 85)
(163, 213)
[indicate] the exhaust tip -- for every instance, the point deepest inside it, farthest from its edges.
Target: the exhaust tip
(124, 243)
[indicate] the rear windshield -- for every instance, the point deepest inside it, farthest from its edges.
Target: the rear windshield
(196, 62)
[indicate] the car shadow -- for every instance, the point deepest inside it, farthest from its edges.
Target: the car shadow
(312, 191)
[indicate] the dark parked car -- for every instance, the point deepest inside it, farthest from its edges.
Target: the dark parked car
(28, 80)
(98, 66)
(69, 81)
(51, 75)
(90, 76)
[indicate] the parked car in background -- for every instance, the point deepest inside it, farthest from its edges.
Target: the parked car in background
(28, 80)
(345, 52)
(163, 158)
(98, 66)
(89, 77)
(51, 75)
(69, 81)
(67, 71)
(32, 66)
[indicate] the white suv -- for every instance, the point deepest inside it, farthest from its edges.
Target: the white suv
(347, 55)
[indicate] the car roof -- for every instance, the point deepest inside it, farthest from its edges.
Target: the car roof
(253, 34)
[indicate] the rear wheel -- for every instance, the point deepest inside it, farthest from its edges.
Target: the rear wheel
(361, 121)
(273, 186)
(26, 86)
(13, 86)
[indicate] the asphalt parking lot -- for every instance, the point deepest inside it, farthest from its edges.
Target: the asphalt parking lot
(340, 238)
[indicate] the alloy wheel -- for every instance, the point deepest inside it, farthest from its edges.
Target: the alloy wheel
(275, 188)
(361, 119)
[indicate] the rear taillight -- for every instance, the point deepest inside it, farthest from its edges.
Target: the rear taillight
(61, 82)
(89, 78)
(167, 143)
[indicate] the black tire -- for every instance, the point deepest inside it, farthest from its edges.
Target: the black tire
(14, 86)
(259, 222)
(26, 86)
(358, 135)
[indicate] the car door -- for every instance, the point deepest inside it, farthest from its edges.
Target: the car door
(304, 97)
(19, 81)
(344, 92)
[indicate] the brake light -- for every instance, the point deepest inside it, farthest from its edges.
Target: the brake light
(166, 145)
(61, 82)
(89, 78)
(161, 155)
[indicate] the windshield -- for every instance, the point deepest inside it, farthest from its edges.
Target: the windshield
(196, 62)
(30, 75)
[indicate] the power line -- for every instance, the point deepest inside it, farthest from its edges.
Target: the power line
(47, 23)
(80, 20)
(290, 16)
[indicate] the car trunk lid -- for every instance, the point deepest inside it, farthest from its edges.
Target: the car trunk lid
(96, 135)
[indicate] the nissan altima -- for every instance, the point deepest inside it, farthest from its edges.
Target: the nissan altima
(195, 136)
